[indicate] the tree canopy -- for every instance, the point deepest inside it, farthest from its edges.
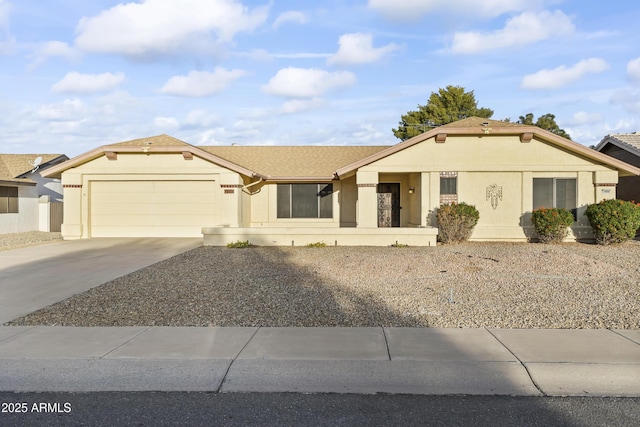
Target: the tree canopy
(447, 105)
(546, 122)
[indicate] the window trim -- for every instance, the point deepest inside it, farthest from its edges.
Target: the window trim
(9, 200)
(446, 198)
(554, 195)
(323, 189)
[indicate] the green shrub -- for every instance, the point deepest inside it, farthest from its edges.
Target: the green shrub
(551, 224)
(317, 245)
(238, 244)
(456, 222)
(613, 221)
(398, 245)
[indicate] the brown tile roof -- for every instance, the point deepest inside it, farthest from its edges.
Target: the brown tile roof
(293, 161)
(156, 141)
(14, 165)
(477, 122)
(630, 141)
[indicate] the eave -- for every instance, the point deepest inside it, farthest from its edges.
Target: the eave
(23, 183)
(609, 139)
(526, 133)
(113, 150)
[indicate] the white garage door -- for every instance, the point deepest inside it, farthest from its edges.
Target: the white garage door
(152, 208)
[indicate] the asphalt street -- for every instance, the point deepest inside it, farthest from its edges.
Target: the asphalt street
(264, 409)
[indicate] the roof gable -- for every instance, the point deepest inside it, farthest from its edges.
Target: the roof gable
(13, 167)
(627, 141)
(481, 126)
(155, 144)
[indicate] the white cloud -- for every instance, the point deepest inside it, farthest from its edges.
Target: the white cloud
(201, 83)
(357, 48)
(633, 69)
(51, 49)
(160, 27)
(298, 105)
(307, 82)
(259, 55)
(301, 55)
(200, 118)
(413, 10)
(520, 30)
(67, 110)
(290, 16)
(584, 118)
(166, 122)
(75, 82)
(630, 101)
(562, 76)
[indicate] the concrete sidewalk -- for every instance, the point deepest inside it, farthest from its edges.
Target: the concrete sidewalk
(35, 277)
(527, 362)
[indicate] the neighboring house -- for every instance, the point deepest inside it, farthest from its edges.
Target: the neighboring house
(625, 147)
(23, 191)
(294, 195)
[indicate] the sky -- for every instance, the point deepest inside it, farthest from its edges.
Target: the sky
(77, 74)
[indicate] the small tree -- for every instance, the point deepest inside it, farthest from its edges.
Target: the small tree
(445, 106)
(551, 225)
(456, 222)
(614, 221)
(546, 122)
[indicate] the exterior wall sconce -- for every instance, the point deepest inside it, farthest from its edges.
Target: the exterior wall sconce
(412, 190)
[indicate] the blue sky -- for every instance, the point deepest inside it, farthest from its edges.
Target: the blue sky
(77, 74)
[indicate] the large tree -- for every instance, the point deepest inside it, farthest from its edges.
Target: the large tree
(546, 122)
(446, 106)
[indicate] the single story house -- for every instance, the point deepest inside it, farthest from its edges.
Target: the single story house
(26, 197)
(344, 195)
(625, 147)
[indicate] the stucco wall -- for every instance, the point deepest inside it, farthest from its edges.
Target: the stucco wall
(141, 167)
(27, 217)
(488, 164)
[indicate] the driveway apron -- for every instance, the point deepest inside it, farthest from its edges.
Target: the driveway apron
(38, 276)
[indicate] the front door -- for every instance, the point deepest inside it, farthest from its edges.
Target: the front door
(389, 204)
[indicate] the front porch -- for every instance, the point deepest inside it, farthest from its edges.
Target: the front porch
(302, 236)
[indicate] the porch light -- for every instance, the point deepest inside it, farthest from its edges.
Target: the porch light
(412, 190)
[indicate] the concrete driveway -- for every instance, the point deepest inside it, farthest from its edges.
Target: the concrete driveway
(38, 276)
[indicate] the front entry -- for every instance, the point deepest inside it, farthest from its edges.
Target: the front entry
(389, 204)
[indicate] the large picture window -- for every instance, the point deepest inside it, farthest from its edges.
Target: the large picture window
(8, 199)
(305, 201)
(554, 193)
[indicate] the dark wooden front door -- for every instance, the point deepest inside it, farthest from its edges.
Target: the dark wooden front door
(389, 205)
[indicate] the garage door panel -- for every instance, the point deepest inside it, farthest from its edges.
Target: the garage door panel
(179, 186)
(152, 208)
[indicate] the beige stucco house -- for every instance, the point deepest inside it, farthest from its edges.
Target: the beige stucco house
(276, 195)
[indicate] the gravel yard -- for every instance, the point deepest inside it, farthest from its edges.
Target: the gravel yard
(21, 240)
(505, 285)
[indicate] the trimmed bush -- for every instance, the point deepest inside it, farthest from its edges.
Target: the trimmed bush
(456, 222)
(614, 221)
(239, 244)
(552, 224)
(317, 245)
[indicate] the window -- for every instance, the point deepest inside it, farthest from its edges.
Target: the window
(305, 201)
(8, 200)
(554, 193)
(448, 187)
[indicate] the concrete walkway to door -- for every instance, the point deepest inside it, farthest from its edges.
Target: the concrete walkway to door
(34, 277)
